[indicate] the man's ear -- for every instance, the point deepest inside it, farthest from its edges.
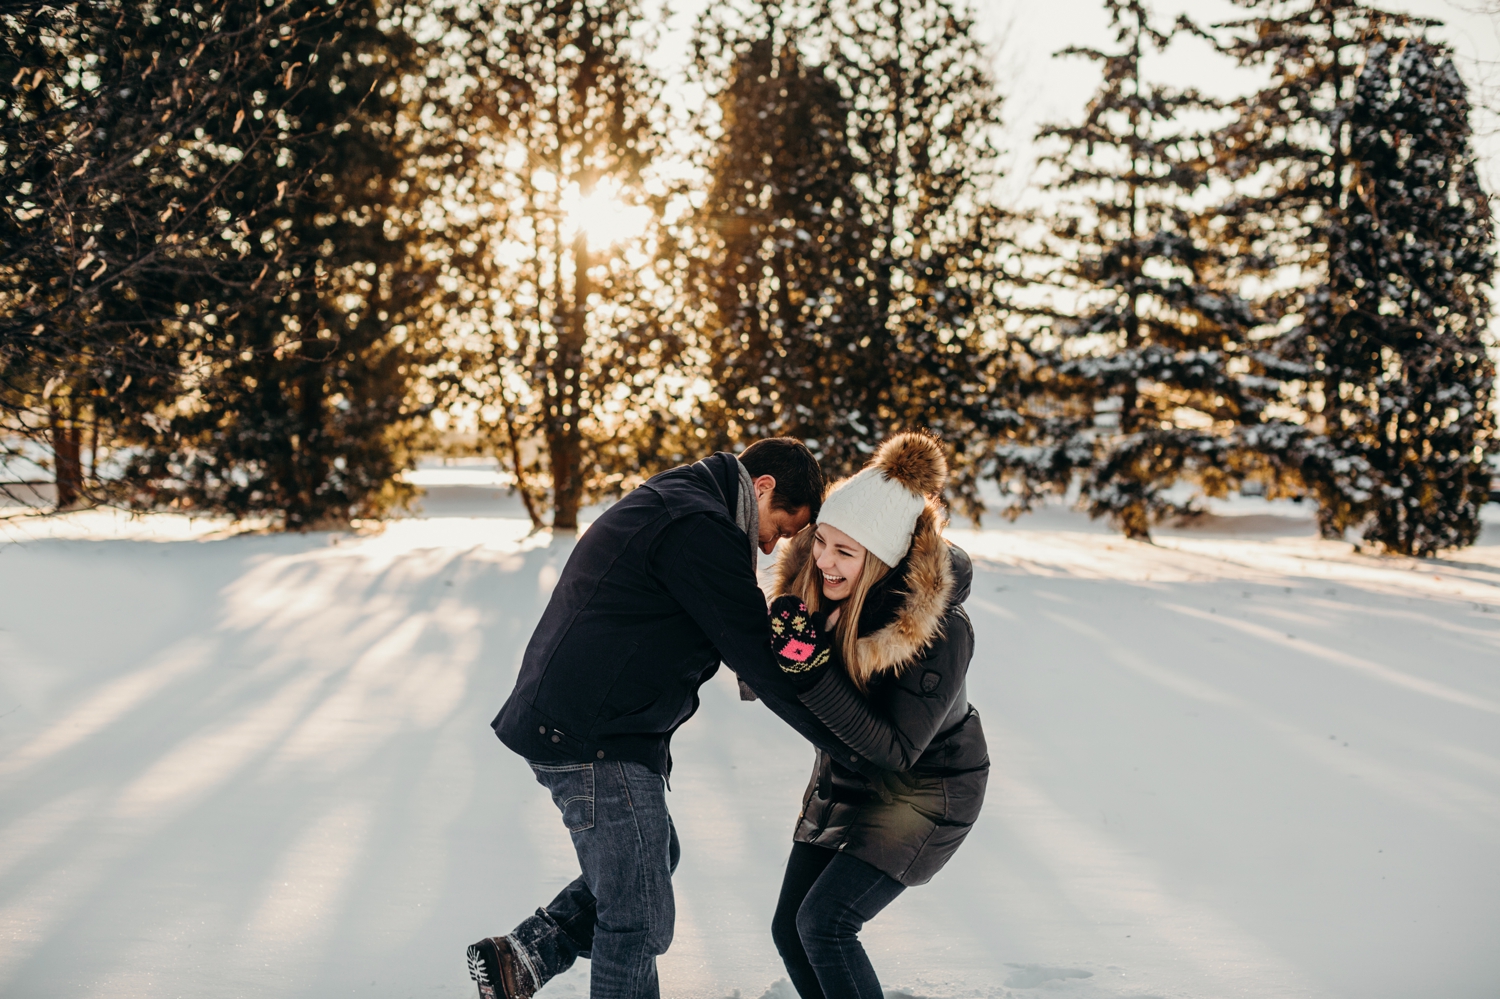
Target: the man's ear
(764, 485)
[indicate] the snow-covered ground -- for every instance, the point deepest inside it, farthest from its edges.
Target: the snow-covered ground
(1242, 762)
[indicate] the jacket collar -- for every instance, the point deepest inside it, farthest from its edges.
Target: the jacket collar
(708, 486)
(725, 470)
(904, 612)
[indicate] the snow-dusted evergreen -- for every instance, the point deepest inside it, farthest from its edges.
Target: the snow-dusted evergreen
(557, 329)
(851, 237)
(1365, 216)
(1143, 367)
(251, 259)
(203, 268)
(782, 240)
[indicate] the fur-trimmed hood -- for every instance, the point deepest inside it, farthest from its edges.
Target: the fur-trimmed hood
(929, 585)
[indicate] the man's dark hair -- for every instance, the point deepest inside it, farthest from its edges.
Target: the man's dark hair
(799, 480)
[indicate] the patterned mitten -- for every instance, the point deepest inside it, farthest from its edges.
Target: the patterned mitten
(800, 643)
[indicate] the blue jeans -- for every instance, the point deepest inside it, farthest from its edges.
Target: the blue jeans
(826, 898)
(619, 912)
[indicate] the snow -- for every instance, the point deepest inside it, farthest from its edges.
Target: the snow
(1240, 762)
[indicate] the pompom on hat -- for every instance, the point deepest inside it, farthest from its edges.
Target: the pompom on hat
(879, 506)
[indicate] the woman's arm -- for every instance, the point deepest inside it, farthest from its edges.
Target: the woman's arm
(895, 733)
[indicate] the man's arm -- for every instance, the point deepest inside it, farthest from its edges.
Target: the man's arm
(703, 564)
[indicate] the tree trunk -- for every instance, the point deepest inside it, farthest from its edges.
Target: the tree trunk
(306, 509)
(566, 445)
(67, 468)
(513, 447)
(93, 474)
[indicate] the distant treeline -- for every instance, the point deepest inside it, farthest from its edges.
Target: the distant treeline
(257, 254)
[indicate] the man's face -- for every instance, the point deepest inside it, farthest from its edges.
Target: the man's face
(776, 524)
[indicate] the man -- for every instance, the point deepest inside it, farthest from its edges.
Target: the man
(658, 591)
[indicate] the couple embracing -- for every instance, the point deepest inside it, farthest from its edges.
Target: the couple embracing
(864, 652)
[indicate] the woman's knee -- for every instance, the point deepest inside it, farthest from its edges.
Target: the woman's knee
(819, 926)
(784, 933)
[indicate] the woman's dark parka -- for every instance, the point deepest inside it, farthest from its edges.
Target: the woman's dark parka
(915, 643)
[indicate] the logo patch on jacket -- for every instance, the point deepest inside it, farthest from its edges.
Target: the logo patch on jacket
(930, 681)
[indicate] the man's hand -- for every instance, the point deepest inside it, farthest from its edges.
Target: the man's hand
(802, 647)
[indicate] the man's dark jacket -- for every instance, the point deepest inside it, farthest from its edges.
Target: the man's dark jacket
(657, 592)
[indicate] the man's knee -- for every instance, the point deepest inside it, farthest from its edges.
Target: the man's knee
(663, 921)
(644, 941)
(643, 919)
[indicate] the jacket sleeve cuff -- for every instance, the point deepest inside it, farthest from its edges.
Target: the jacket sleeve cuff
(808, 679)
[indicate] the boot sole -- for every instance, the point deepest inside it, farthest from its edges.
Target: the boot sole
(480, 975)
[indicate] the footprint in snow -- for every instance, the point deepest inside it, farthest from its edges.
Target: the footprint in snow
(1029, 976)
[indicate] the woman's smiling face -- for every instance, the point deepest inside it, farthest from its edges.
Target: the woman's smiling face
(839, 558)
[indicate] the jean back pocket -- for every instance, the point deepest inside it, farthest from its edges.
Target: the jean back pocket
(572, 788)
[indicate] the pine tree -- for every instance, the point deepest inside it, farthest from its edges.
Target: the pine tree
(1379, 245)
(564, 348)
(853, 263)
(303, 408)
(1142, 373)
(112, 213)
(784, 242)
(176, 233)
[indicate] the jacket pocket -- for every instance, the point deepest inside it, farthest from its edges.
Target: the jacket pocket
(629, 696)
(572, 789)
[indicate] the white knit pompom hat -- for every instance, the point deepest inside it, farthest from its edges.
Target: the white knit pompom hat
(879, 506)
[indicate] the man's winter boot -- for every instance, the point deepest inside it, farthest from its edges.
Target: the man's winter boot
(494, 968)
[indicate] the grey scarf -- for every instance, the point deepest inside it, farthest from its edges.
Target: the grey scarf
(747, 519)
(747, 514)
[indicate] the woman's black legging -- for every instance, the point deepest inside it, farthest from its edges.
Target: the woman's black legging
(826, 897)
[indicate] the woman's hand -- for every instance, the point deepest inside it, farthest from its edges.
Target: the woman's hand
(802, 644)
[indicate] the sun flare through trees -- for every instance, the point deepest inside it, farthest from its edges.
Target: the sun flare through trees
(259, 255)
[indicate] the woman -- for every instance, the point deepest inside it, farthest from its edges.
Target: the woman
(888, 679)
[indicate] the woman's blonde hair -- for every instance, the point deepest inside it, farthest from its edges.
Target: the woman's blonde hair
(809, 587)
